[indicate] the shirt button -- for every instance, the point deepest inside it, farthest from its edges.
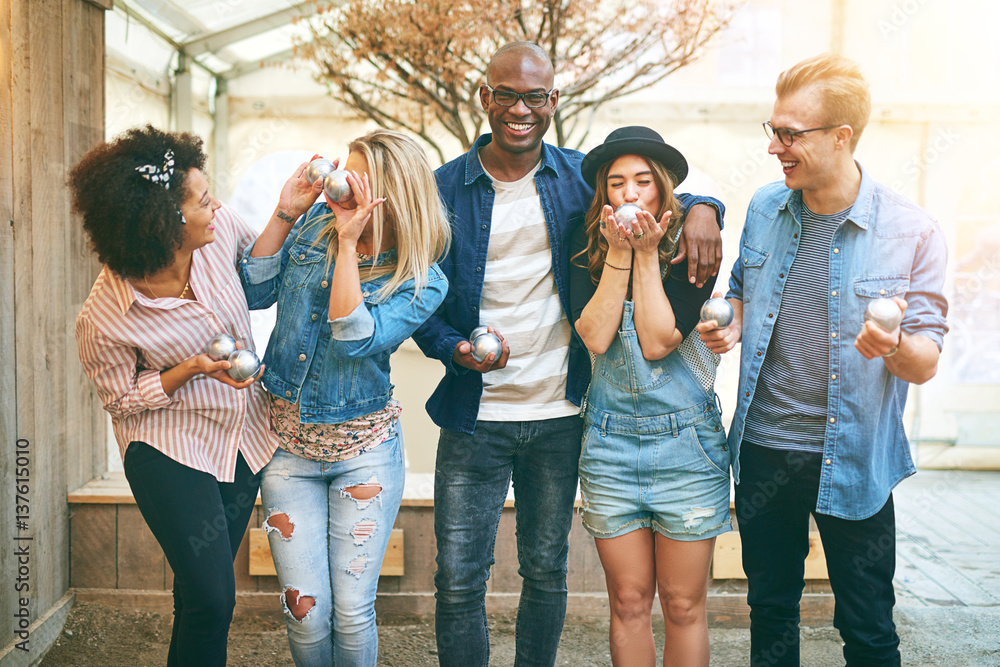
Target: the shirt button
(833, 293)
(828, 461)
(302, 256)
(302, 357)
(365, 293)
(770, 314)
(479, 269)
(758, 353)
(288, 394)
(795, 236)
(324, 284)
(483, 227)
(747, 394)
(744, 261)
(833, 335)
(882, 292)
(244, 261)
(836, 250)
(781, 275)
(833, 420)
(833, 377)
(314, 317)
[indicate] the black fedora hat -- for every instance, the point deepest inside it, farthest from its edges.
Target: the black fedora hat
(634, 140)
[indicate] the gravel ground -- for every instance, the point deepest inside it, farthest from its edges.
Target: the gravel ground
(96, 635)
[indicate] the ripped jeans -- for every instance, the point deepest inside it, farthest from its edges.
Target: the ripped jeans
(328, 526)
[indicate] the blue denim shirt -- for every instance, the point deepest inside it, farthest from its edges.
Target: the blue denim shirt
(467, 193)
(887, 247)
(334, 369)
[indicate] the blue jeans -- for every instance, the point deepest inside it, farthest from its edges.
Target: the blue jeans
(776, 494)
(471, 479)
(331, 557)
(200, 522)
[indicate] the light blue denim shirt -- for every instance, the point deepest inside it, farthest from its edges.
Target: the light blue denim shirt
(334, 369)
(887, 247)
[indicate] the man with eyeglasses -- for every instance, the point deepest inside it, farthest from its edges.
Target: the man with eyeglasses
(819, 419)
(514, 201)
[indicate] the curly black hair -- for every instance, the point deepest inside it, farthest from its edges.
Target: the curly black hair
(134, 224)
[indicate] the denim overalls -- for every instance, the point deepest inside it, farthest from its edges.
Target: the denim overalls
(654, 448)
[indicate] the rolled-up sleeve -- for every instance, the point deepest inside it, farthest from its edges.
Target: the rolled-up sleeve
(377, 325)
(123, 388)
(926, 305)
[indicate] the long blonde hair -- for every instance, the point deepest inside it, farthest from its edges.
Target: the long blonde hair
(597, 245)
(398, 170)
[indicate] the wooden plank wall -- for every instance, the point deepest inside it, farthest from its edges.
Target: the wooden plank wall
(52, 113)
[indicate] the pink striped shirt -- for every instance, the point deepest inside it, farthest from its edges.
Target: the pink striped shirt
(125, 340)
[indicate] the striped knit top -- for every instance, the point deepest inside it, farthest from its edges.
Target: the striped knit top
(126, 339)
(789, 408)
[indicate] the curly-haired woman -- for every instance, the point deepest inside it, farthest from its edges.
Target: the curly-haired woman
(193, 440)
(352, 281)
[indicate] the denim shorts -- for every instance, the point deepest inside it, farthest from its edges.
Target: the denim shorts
(667, 472)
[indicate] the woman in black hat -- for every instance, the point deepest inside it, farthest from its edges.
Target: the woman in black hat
(654, 470)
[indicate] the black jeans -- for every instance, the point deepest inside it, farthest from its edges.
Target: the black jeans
(199, 522)
(775, 496)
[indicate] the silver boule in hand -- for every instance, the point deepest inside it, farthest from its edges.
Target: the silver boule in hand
(220, 347)
(885, 313)
(484, 343)
(245, 365)
(626, 214)
(717, 309)
(336, 187)
(318, 168)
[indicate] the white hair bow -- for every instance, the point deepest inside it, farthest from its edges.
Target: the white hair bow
(159, 175)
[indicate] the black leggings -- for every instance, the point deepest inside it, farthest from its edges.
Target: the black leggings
(199, 522)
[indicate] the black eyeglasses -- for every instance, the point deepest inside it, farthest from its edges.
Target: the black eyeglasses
(786, 136)
(508, 98)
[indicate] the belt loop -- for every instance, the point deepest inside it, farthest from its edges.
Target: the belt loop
(604, 424)
(673, 425)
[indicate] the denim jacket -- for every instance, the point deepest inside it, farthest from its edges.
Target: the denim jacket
(467, 193)
(887, 247)
(334, 369)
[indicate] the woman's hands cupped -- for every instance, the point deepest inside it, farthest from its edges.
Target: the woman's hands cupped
(219, 370)
(613, 233)
(351, 222)
(645, 233)
(298, 194)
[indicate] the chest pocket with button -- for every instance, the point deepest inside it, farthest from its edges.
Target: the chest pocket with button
(305, 266)
(752, 260)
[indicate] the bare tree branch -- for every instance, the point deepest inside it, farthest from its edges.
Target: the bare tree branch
(418, 66)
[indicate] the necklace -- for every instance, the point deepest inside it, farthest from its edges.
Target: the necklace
(187, 287)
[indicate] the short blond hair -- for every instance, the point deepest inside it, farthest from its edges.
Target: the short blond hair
(842, 86)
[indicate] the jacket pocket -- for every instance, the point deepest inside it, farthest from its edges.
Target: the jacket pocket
(752, 260)
(878, 287)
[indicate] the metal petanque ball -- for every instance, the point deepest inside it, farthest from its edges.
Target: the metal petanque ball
(717, 309)
(220, 347)
(484, 343)
(336, 187)
(318, 168)
(245, 365)
(885, 313)
(626, 214)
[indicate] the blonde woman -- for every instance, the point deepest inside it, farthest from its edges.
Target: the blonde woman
(352, 281)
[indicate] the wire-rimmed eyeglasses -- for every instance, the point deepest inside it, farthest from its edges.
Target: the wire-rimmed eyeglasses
(508, 98)
(786, 136)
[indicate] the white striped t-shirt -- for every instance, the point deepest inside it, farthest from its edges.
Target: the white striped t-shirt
(520, 301)
(125, 339)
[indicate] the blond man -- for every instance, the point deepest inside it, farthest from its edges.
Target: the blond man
(818, 424)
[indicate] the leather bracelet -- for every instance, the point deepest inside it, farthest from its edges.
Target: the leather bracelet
(287, 218)
(627, 268)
